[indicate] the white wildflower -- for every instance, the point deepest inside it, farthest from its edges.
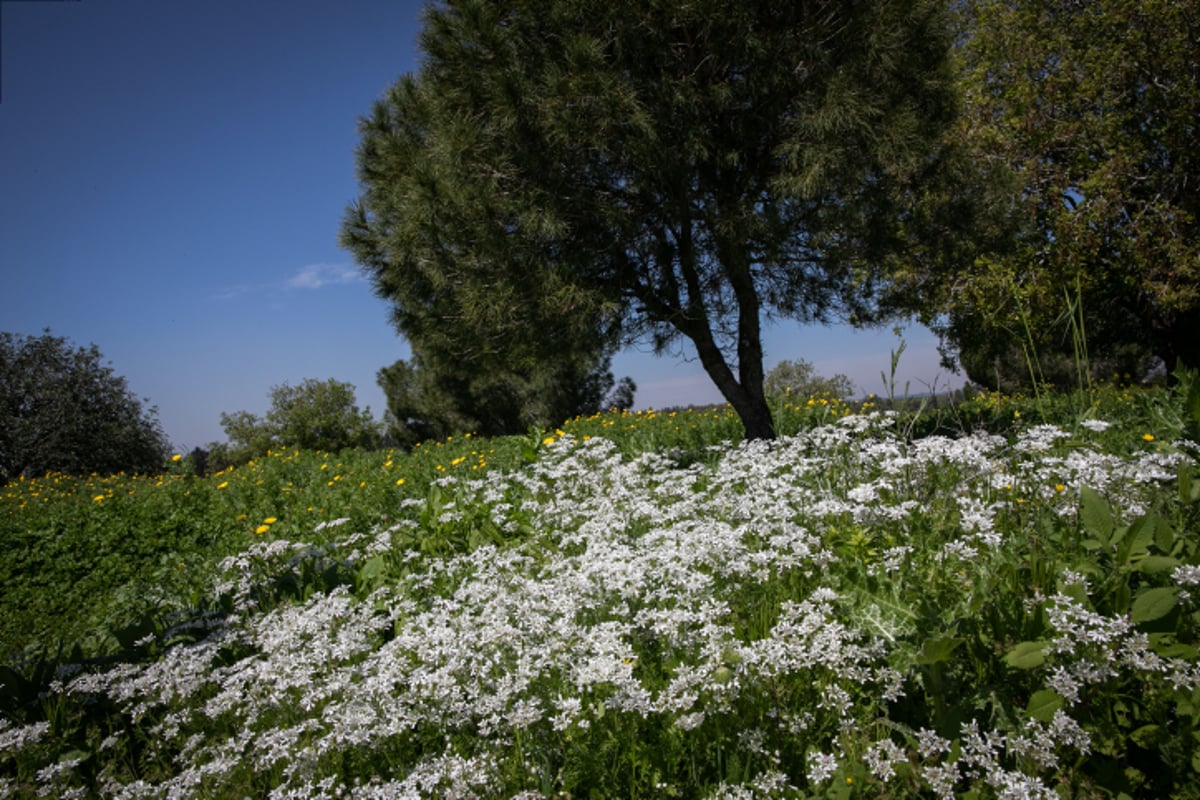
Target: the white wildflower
(821, 767)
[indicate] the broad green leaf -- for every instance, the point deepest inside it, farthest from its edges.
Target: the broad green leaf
(1097, 516)
(937, 650)
(1043, 704)
(1152, 565)
(1164, 535)
(1167, 646)
(1026, 655)
(1154, 603)
(1141, 536)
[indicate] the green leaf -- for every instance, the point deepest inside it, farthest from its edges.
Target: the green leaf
(372, 574)
(1140, 539)
(1026, 655)
(1146, 736)
(1192, 404)
(1152, 565)
(1154, 603)
(1166, 646)
(1164, 535)
(1184, 482)
(934, 651)
(1043, 704)
(1097, 516)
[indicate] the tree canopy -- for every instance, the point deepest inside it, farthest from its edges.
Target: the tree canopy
(661, 170)
(800, 379)
(1084, 117)
(315, 415)
(63, 409)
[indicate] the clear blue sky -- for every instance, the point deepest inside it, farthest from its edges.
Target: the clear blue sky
(173, 174)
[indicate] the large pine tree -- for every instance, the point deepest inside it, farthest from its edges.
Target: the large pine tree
(665, 169)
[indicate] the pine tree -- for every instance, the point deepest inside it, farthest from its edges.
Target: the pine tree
(661, 170)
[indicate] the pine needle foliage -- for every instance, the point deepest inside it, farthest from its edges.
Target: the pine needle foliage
(664, 171)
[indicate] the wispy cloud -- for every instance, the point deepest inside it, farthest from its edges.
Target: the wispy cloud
(315, 276)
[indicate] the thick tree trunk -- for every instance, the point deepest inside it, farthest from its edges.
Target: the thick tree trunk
(756, 417)
(748, 401)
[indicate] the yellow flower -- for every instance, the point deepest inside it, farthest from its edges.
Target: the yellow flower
(262, 529)
(177, 457)
(98, 498)
(270, 521)
(400, 481)
(548, 440)
(1149, 437)
(222, 485)
(1058, 487)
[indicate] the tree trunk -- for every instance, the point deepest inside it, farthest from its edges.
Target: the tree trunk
(756, 417)
(749, 402)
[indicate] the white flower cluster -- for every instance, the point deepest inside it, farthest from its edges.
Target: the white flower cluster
(629, 559)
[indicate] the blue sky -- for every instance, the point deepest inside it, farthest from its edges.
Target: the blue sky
(173, 174)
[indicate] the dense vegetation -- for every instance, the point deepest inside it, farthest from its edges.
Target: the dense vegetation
(63, 409)
(560, 175)
(990, 597)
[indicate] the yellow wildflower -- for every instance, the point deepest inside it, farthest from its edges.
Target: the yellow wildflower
(1149, 437)
(177, 457)
(262, 529)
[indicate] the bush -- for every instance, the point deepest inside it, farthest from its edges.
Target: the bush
(316, 415)
(63, 410)
(800, 378)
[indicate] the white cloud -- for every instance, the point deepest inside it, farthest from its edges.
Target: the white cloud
(314, 276)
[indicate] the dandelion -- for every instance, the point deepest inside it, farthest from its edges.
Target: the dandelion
(400, 481)
(98, 498)
(177, 457)
(222, 484)
(1148, 437)
(262, 529)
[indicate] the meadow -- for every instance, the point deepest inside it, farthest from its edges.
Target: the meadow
(990, 598)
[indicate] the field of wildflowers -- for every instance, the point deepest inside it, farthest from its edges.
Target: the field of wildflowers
(987, 599)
